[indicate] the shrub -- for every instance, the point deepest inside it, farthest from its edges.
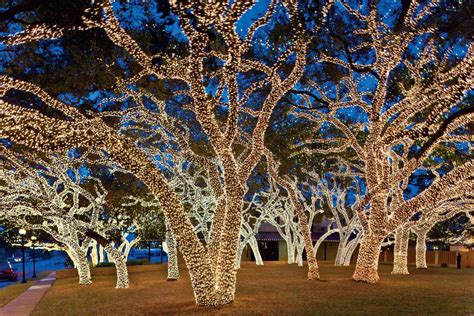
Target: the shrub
(105, 264)
(135, 262)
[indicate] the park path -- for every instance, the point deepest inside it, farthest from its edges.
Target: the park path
(24, 304)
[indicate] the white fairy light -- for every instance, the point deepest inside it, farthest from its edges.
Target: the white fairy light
(387, 170)
(212, 268)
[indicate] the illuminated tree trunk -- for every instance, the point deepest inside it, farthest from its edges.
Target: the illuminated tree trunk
(226, 273)
(94, 254)
(299, 255)
(173, 269)
(421, 249)
(240, 252)
(290, 249)
(256, 252)
(118, 259)
(400, 256)
(216, 233)
(339, 253)
(368, 259)
(79, 257)
(346, 258)
(252, 243)
(313, 269)
(323, 238)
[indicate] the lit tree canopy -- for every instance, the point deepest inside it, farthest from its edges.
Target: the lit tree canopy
(203, 82)
(402, 101)
(213, 81)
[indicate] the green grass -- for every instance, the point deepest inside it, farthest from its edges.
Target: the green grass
(275, 288)
(12, 291)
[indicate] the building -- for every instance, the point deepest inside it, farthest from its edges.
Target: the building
(273, 247)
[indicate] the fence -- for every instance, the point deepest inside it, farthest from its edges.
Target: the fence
(437, 257)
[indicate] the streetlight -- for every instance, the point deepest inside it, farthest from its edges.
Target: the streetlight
(22, 234)
(33, 239)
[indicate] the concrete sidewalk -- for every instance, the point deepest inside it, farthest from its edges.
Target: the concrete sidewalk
(24, 304)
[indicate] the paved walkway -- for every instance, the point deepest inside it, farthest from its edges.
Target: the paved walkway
(24, 304)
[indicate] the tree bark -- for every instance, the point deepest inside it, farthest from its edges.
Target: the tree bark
(290, 249)
(173, 269)
(256, 252)
(79, 257)
(421, 250)
(368, 260)
(299, 255)
(400, 259)
(226, 272)
(346, 260)
(120, 266)
(94, 254)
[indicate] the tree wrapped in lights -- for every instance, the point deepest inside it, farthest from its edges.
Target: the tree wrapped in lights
(330, 189)
(401, 97)
(298, 206)
(31, 201)
(50, 197)
(212, 269)
(172, 251)
(262, 207)
(427, 219)
(400, 250)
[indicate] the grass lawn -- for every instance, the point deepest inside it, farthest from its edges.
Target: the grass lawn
(275, 288)
(12, 291)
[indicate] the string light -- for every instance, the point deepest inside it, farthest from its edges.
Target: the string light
(212, 268)
(61, 207)
(386, 155)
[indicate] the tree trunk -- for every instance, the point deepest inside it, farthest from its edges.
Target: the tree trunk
(323, 238)
(94, 254)
(173, 269)
(299, 255)
(400, 259)
(313, 269)
(344, 250)
(120, 266)
(226, 272)
(346, 260)
(421, 250)
(240, 251)
(256, 252)
(79, 257)
(341, 249)
(290, 249)
(368, 260)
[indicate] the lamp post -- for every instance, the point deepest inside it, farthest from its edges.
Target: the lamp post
(22, 233)
(33, 239)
